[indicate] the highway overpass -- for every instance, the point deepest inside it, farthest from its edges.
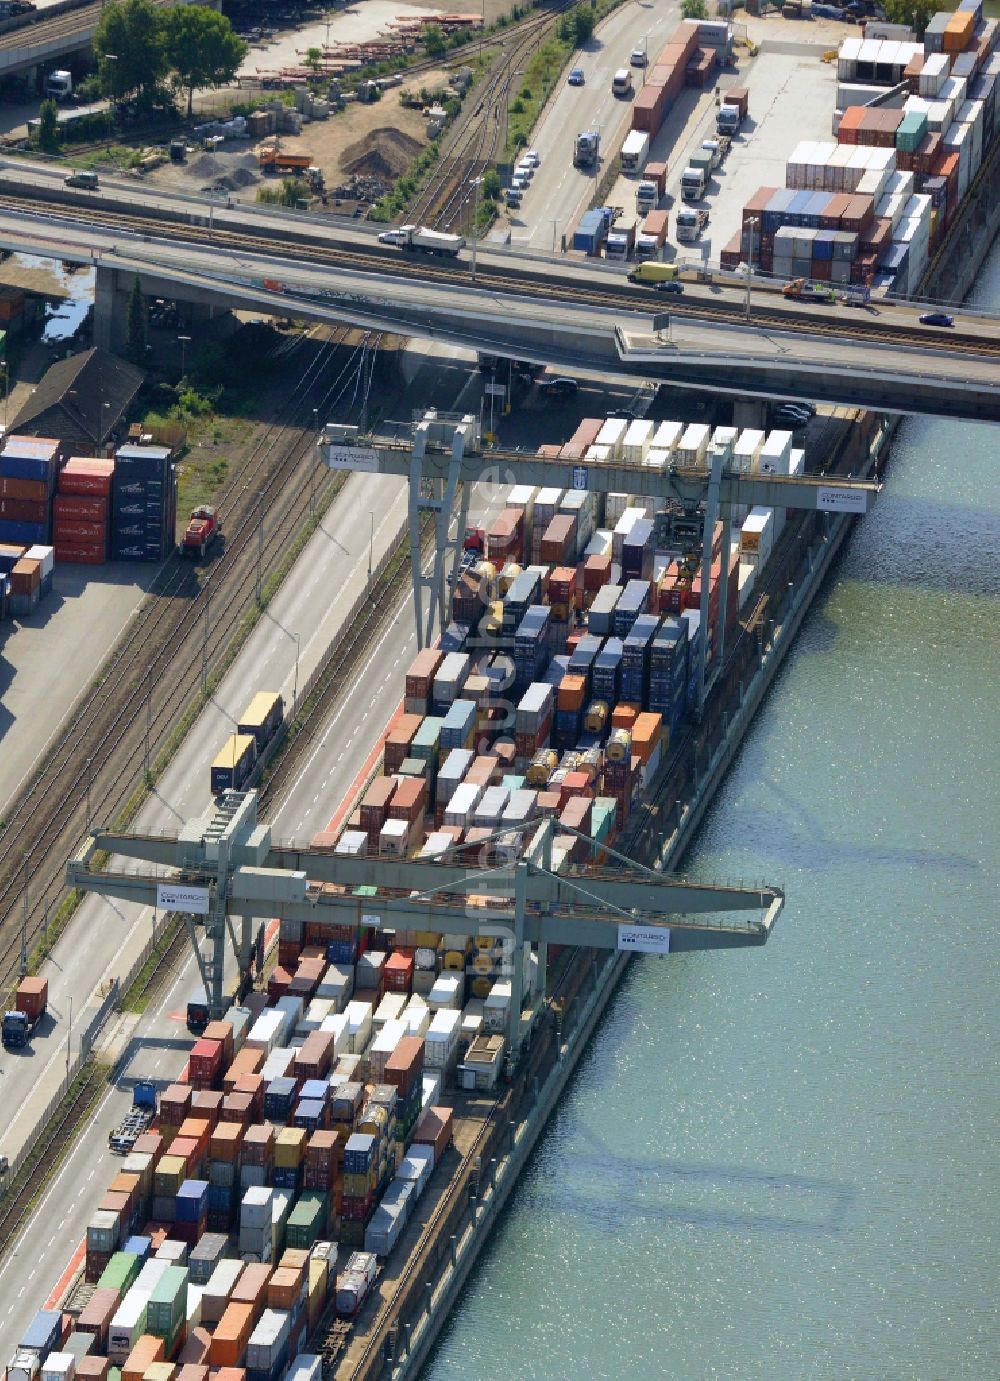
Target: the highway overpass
(56, 34)
(565, 314)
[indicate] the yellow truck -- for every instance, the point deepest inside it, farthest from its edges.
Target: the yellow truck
(653, 271)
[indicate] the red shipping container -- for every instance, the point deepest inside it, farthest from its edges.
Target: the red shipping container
(34, 491)
(398, 970)
(205, 1063)
(80, 508)
(435, 1129)
(423, 669)
(24, 510)
(86, 475)
(409, 801)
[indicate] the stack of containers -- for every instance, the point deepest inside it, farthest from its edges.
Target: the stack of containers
(81, 510)
(144, 504)
(668, 672)
(533, 719)
(28, 467)
(166, 1312)
(543, 510)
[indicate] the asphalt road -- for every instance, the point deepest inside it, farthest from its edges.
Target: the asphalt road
(40, 232)
(559, 192)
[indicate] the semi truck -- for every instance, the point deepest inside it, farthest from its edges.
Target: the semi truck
(621, 241)
(733, 111)
(31, 1002)
(653, 236)
(635, 151)
(693, 183)
(690, 222)
(587, 148)
(422, 240)
(137, 1120)
(651, 188)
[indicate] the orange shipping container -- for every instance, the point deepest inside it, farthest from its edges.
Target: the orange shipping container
(624, 716)
(94, 1368)
(232, 1333)
(572, 692)
(146, 1351)
(193, 1371)
(251, 1288)
(195, 1350)
(285, 1287)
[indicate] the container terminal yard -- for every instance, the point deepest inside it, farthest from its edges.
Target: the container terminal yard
(409, 986)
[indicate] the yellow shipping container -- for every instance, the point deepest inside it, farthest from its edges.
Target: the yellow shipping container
(160, 1371)
(454, 959)
(290, 1147)
(481, 987)
(427, 939)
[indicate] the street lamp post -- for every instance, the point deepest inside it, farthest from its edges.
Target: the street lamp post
(751, 224)
(295, 691)
(371, 546)
(184, 344)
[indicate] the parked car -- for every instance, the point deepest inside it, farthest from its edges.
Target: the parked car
(530, 157)
(792, 417)
(525, 170)
(519, 182)
(512, 197)
(937, 319)
(576, 77)
(561, 387)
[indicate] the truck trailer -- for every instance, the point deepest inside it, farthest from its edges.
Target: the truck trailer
(422, 240)
(635, 151)
(31, 1002)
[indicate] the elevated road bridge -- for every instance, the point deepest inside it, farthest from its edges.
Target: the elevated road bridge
(568, 315)
(56, 33)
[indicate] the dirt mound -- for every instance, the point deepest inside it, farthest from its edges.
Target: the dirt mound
(384, 153)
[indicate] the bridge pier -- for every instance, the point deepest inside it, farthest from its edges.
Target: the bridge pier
(112, 290)
(750, 412)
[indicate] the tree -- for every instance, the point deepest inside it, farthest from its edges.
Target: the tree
(131, 51)
(135, 342)
(434, 44)
(583, 23)
(914, 13)
(48, 127)
(694, 9)
(490, 184)
(202, 47)
(314, 57)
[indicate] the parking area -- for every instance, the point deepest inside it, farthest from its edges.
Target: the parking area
(792, 97)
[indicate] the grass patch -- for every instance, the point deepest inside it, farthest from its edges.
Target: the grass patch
(139, 995)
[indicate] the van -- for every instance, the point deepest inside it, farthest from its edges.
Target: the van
(653, 271)
(82, 179)
(621, 82)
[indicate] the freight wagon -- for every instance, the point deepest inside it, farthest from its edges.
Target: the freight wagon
(262, 718)
(234, 764)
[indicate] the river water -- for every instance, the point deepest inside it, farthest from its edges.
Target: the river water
(781, 1163)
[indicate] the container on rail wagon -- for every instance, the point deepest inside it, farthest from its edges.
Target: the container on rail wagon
(262, 718)
(235, 762)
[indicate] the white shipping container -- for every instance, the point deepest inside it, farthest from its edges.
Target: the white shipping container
(59, 1366)
(756, 534)
(391, 1008)
(267, 1339)
(774, 453)
(496, 1008)
(336, 1026)
(636, 442)
(446, 992)
(218, 1290)
(747, 449)
(264, 1033)
(359, 1025)
(612, 435)
(463, 802)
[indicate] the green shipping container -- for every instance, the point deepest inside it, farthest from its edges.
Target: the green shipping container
(120, 1272)
(308, 1221)
(427, 739)
(168, 1302)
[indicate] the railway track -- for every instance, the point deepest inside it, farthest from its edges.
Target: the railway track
(626, 298)
(54, 1138)
(99, 761)
(448, 200)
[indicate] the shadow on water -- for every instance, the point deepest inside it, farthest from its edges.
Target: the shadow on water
(664, 1190)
